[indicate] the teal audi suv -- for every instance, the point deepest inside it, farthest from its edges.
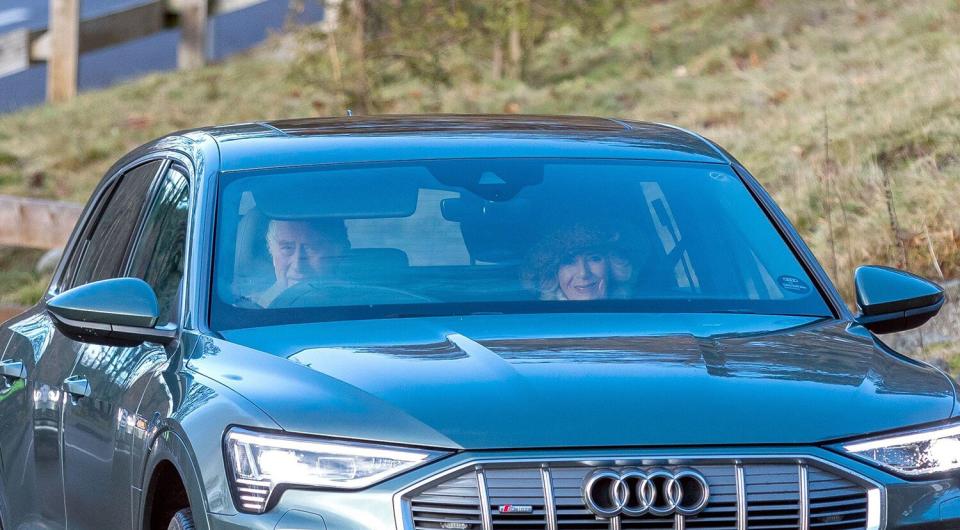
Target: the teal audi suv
(462, 323)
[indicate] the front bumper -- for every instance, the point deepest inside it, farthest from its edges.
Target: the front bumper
(900, 504)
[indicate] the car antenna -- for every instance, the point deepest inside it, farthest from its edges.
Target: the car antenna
(349, 112)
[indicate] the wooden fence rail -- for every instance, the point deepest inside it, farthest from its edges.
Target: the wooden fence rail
(66, 36)
(36, 223)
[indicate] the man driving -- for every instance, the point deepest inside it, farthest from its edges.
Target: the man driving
(300, 251)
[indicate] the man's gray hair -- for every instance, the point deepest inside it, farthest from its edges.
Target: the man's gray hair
(332, 229)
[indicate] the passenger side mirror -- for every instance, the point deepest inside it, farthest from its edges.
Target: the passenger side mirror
(116, 312)
(892, 300)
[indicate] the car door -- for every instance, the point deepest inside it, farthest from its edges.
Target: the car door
(29, 425)
(31, 406)
(99, 429)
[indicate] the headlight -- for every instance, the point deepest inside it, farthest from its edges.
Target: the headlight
(261, 464)
(916, 453)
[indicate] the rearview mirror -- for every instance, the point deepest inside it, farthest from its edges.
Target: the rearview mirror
(892, 300)
(117, 311)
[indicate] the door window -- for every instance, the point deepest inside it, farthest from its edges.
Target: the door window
(101, 253)
(159, 254)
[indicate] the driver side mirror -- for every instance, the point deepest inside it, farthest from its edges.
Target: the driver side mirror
(114, 312)
(892, 300)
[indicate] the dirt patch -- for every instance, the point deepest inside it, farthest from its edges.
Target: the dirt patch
(9, 311)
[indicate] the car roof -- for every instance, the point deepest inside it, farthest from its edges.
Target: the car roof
(313, 141)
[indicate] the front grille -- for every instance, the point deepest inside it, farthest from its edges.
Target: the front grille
(450, 503)
(760, 495)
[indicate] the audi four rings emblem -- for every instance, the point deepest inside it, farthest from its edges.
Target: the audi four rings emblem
(635, 492)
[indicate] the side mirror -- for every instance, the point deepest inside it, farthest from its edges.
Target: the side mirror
(116, 312)
(892, 300)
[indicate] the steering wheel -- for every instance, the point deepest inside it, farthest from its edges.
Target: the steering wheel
(313, 293)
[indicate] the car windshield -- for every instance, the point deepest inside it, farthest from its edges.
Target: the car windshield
(491, 236)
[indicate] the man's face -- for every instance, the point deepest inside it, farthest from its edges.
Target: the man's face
(300, 250)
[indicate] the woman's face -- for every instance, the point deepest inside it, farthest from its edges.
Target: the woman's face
(584, 277)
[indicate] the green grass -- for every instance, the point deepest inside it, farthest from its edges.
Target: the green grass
(764, 79)
(19, 283)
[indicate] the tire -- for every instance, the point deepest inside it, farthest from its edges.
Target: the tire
(182, 520)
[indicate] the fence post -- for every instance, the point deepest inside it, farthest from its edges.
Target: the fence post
(64, 29)
(192, 50)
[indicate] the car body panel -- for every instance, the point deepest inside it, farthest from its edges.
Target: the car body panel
(95, 436)
(30, 420)
(319, 141)
(587, 380)
(101, 429)
(484, 386)
(342, 407)
(181, 411)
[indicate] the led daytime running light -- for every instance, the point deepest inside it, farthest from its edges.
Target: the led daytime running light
(262, 463)
(922, 452)
(906, 439)
(341, 448)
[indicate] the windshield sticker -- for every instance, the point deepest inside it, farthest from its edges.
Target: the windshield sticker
(793, 284)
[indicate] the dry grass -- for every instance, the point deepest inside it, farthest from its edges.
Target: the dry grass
(19, 282)
(764, 78)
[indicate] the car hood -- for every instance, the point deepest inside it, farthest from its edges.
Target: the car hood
(534, 381)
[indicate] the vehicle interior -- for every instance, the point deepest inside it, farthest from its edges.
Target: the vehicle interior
(481, 231)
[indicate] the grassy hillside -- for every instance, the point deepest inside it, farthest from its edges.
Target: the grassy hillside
(849, 112)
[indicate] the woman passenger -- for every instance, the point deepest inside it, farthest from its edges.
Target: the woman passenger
(580, 262)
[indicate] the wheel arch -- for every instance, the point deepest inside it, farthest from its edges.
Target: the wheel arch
(169, 454)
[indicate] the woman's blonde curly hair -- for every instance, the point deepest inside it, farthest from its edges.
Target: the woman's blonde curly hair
(543, 262)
